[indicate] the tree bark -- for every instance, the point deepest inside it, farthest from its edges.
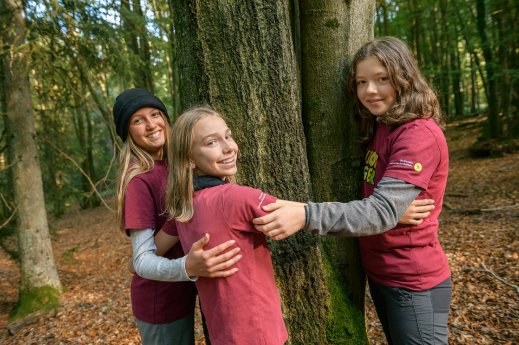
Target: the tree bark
(240, 59)
(36, 259)
(331, 33)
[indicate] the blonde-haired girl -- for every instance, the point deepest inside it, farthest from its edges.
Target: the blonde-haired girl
(244, 308)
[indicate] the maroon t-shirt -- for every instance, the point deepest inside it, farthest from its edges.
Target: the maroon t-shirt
(245, 307)
(408, 256)
(154, 301)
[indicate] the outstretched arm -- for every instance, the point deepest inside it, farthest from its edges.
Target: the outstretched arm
(370, 216)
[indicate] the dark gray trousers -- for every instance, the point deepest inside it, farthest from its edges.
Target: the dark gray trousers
(413, 317)
(180, 332)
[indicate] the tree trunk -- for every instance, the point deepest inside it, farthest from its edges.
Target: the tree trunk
(331, 33)
(240, 59)
(494, 125)
(133, 24)
(39, 281)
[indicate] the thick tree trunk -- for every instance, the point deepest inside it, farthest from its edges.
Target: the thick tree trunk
(331, 33)
(240, 59)
(39, 281)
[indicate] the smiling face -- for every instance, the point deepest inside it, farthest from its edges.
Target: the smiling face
(147, 129)
(374, 88)
(214, 152)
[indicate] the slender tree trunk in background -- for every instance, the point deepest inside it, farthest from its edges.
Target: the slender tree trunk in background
(173, 57)
(474, 102)
(444, 68)
(331, 33)
(511, 19)
(494, 124)
(144, 71)
(457, 82)
(39, 281)
(134, 26)
(240, 59)
(84, 135)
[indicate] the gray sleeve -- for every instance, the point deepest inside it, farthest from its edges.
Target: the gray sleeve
(150, 266)
(370, 216)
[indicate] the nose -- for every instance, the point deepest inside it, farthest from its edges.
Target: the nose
(371, 88)
(227, 146)
(150, 124)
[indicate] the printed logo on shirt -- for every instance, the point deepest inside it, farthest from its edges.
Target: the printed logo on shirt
(417, 167)
(261, 199)
(369, 169)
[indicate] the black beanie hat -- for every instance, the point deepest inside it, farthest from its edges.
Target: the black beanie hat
(128, 102)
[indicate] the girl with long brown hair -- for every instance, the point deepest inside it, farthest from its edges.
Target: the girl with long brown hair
(407, 158)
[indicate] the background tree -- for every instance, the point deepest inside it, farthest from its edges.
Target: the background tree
(39, 282)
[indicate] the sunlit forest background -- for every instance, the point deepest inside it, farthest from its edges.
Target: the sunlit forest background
(80, 54)
(83, 53)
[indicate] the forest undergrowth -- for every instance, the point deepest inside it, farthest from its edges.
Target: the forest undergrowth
(479, 231)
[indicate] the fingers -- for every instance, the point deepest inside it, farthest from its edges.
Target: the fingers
(421, 215)
(225, 264)
(265, 219)
(274, 206)
(223, 274)
(423, 202)
(230, 256)
(199, 245)
(221, 248)
(421, 209)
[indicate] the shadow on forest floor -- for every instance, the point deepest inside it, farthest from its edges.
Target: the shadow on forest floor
(479, 231)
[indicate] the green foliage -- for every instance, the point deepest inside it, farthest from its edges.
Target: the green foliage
(467, 50)
(33, 300)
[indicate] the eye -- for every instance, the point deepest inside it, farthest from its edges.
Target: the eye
(383, 79)
(211, 142)
(136, 120)
(360, 82)
(157, 114)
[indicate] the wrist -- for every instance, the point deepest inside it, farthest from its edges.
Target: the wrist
(188, 269)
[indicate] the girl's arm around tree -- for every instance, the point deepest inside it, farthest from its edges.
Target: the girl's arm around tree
(389, 204)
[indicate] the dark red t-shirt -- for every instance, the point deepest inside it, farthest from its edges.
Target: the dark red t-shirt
(408, 256)
(245, 307)
(154, 301)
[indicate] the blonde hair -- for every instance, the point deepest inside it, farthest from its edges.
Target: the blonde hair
(134, 160)
(179, 194)
(415, 99)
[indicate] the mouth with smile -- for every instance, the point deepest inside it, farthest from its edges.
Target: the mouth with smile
(154, 135)
(226, 161)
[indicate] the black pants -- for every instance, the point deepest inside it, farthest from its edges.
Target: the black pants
(413, 317)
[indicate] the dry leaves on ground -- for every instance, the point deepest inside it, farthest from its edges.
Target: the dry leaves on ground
(479, 231)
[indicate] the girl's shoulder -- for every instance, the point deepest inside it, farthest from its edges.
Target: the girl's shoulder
(417, 126)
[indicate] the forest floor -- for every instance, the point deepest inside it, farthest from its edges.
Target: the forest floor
(479, 231)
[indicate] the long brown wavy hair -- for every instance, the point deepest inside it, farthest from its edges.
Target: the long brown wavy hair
(133, 160)
(179, 194)
(415, 99)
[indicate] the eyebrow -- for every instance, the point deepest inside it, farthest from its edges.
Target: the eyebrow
(215, 134)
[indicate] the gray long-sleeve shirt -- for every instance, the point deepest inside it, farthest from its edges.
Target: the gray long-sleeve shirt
(150, 266)
(370, 216)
